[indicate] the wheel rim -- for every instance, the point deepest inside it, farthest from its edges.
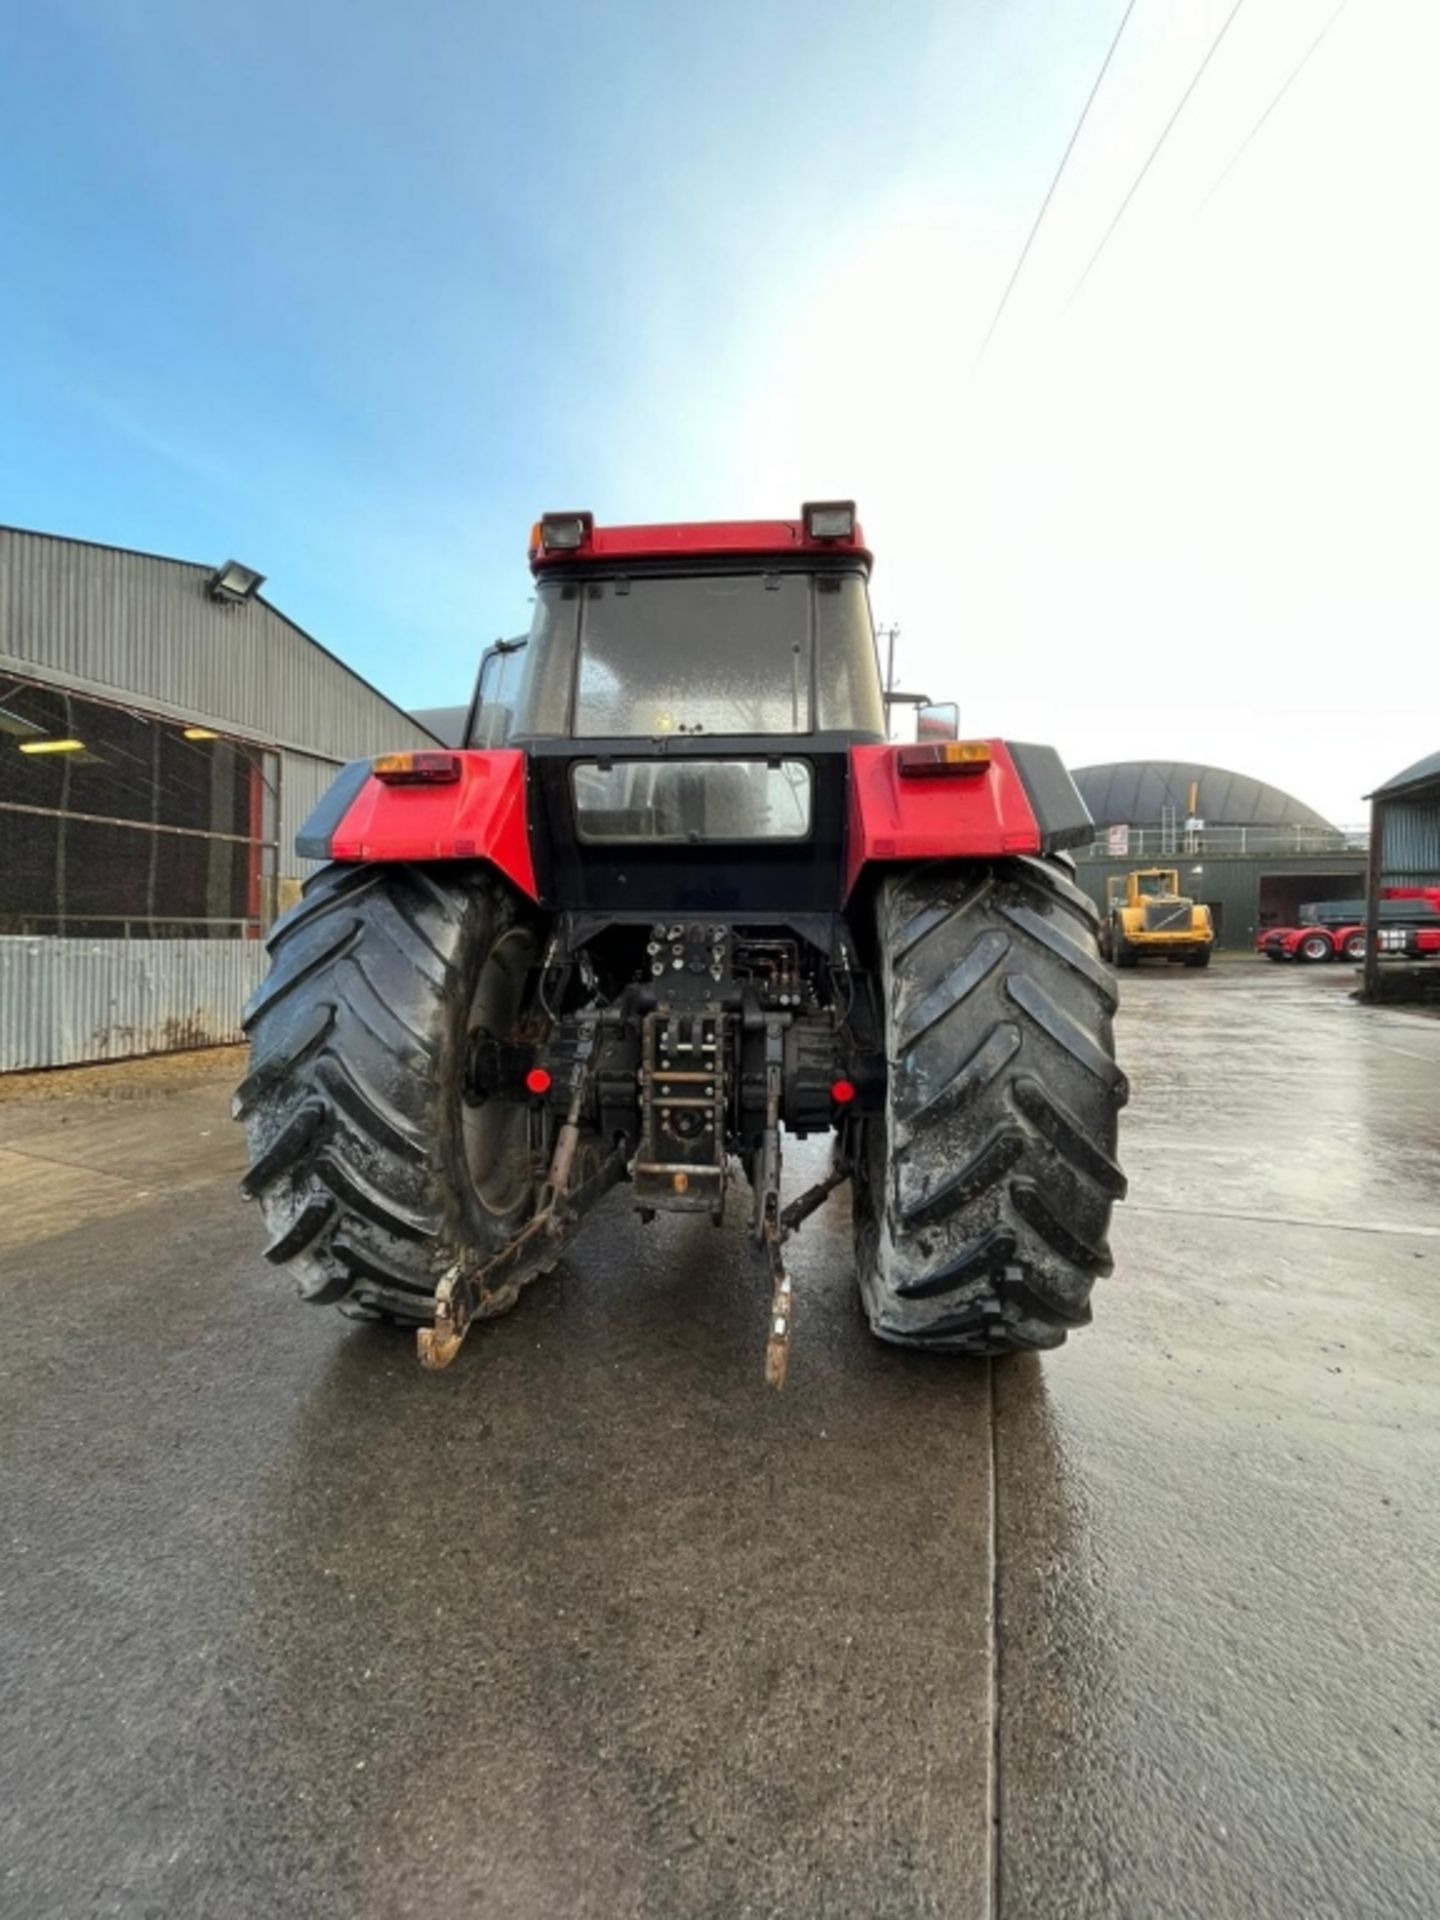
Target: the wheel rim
(497, 1142)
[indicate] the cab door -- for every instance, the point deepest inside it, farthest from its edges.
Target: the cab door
(497, 688)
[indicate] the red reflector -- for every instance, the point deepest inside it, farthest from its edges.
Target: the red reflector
(416, 769)
(538, 1080)
(944, 757)
(842, 1092)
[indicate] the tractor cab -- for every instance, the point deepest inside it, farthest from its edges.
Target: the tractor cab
(687, 695)
(673, 635)
(1147, 883)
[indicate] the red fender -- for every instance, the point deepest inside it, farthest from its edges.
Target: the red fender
(480, 816)
(972, 816)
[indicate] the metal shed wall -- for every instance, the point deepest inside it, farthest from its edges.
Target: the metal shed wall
(1405, 852)
(67, 1001)
(142, 629)
(302, 781)
(1410, 842)
(143, 632)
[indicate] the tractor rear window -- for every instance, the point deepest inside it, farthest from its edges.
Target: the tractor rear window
(692, 800)
(725, 653)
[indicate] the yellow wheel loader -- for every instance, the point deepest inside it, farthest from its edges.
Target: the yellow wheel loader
(1148, 916)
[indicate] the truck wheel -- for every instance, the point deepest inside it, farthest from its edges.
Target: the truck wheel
(1354, 948)
(1313, 947)
(373, 1161)
(1198, 959)
(1121, 952)
(983, 1193)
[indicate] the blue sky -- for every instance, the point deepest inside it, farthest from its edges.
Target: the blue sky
(353, 291)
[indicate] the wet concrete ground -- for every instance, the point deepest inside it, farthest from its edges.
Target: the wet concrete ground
(595, 1625)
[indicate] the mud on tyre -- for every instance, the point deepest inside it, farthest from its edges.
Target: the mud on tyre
(373, 1169)
(983, 1195)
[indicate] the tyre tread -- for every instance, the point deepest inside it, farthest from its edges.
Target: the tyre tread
(353, 1054)
(985, 1228)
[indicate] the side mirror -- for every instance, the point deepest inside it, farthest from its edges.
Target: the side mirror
(940, 721)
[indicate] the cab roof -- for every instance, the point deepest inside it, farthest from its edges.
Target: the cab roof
(569, 539)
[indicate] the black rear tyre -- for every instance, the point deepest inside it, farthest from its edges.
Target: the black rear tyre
(1199, 959)
(983, 1196)
(372, 1169)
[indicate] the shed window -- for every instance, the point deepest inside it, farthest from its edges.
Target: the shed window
(118, 824)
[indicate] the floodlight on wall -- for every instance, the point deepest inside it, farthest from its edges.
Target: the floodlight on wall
(234, 582)
(201, 733)
(52, 746)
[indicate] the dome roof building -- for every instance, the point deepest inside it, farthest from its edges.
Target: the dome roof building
(1142, 793)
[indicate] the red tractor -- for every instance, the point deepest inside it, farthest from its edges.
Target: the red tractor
(676, 897)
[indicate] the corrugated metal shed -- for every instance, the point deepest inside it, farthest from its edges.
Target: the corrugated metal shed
(302, 781)
(1406, 826)
(1420, 775)
(1137, 793)
(143, 632)
(1410, 845)
(67, 1001)
(140, 627)
(1405, 852)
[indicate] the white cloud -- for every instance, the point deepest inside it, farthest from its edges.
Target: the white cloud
(1195, 514)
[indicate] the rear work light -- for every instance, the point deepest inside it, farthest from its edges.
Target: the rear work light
(829, 519)
(561, 533)
(945, 757)
(416, 769)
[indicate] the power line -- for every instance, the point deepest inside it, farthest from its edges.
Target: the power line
(1294, 75)
(1150, 158)
(1050, 190)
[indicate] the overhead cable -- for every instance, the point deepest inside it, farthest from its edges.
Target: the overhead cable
(1050, 190)
(1291, 78)
(1153, 154)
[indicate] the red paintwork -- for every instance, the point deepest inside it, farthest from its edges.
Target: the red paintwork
(1288, 939)
(482, 817)
(720, 538)
(257, 834)
(974, 816)
(1426, 940)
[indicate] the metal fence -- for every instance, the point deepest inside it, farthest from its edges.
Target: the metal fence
(64, 1002)
(1174, 843)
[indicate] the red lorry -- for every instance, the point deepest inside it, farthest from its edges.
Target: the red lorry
(1335, 929)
